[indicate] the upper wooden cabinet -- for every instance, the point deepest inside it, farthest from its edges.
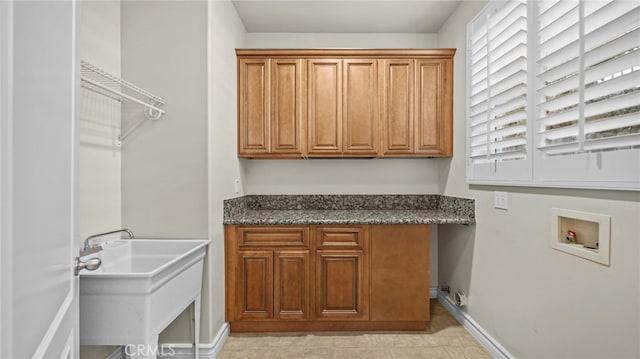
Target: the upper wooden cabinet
(286, 106)
(270, 107)
(253, 107)
(342, 100)
(345, 103)
(360, 107)
(434, 112)
(417, 107)
(324, 107)
(398, 102)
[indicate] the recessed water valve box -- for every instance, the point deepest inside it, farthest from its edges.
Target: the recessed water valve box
(582, 234)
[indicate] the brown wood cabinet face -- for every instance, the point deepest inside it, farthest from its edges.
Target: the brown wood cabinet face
(327, 277)
(342, 287)
(268, 236)
(397, 102)
(291, 285)
(345, 103)
(324, 107)
(342, 272)
(271, 282)
(255, 285)
(286, 106)
(434, 113)
(341, 237)
(253, 106)
(399, 272)
(360, 107)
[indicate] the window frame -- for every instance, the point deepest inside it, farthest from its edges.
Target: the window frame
(611, 170)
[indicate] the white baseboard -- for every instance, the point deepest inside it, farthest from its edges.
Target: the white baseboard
(220, 339)
(117, 354)
(485, 339)
(180, 351)
(207, 351)
(433, 292)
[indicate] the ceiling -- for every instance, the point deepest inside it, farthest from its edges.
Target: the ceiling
(333, 16)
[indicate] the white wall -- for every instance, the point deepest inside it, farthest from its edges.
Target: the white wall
(6, 70)
(341, 176)
(161, 175)
(99, 197)
(100, 155)
(536, 301)
(259, 40)
(226, 33)
(164, 162)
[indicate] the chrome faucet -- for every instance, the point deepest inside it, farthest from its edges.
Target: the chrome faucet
(88, 249)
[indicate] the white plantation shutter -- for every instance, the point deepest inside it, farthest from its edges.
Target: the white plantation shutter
(588, 123)
(497, 76)
(559, 72)
(479, 97)
(554, 94)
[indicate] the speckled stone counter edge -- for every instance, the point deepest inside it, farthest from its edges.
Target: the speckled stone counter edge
(236, 208)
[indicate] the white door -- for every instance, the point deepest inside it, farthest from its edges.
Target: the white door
(38, 179)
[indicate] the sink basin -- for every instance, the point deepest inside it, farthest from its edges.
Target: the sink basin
(141, 257)
(140, 288)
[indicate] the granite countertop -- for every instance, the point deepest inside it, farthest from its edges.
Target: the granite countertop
(348, 209)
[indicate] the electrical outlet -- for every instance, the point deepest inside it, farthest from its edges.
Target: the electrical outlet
(237, 185)
(501, 200)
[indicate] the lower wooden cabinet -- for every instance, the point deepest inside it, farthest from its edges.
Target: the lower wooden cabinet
(399, 272)
(255, 284)
(341, 285)
(273, 284)
(291, 285)
(304, 278)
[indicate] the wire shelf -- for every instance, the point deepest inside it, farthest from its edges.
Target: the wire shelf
(99, 81)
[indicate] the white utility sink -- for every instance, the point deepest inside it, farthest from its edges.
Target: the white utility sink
(140, 288)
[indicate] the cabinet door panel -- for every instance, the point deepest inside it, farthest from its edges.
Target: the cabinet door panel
(286, 106)
(324, 107)
(255, 285)
(263, 236)
(342, 288)
(360, 111)
(398, 106)
(253, 116)
(337, 237)
(433, 121)
(399, 272)
(291, 285)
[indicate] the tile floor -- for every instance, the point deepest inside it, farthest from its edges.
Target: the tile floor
(445, 338)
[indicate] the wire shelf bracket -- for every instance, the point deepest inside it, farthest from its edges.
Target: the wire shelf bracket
(97, 80)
